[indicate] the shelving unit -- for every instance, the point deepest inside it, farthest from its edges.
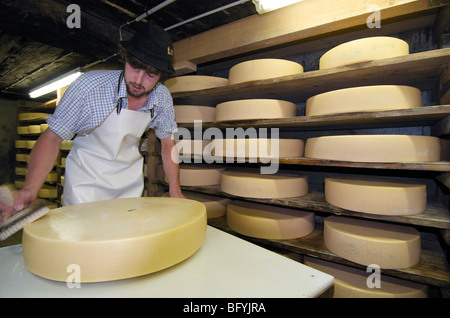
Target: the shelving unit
(425, 71)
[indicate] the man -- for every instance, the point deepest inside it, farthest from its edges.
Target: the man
(107, 112)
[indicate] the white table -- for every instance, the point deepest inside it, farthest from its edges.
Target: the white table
(224, 267)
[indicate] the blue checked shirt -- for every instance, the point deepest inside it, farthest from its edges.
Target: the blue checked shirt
(93, 96)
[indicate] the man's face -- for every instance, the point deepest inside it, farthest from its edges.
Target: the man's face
(138, 81)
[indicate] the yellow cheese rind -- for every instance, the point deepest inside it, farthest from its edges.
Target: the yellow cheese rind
(255, 185)
(247, 109)
(364, 99)
(261, 69)
(350, 282)
(26, 116)
(363, 50)
(114, 239)
(389, 246)
(190, 113)
(257, 148)
(215, 206)
(200, 175)
(376, 196)
(268, 222)
(189, 83)
(374, 148)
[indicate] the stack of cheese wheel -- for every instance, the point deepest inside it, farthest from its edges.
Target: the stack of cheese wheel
(252, 184)
(379, 196)
(390, 246)
(246, 109)
(268, 222)
(350, 282)
(215, 206)
(363, 50)
(191, 147)
(189, 83)
(269, 148)
(262, 69)
(114, 239)
(200, 175)
(374, 148)
(364, 99)
(191, 113)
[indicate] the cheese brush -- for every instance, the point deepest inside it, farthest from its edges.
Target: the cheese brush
(21, 218)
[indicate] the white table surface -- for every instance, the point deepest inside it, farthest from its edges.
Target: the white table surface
(224, 267)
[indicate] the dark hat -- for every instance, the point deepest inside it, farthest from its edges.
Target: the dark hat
(152, 45)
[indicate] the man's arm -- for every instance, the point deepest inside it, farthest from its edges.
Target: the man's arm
(171, 167)
(41, 162)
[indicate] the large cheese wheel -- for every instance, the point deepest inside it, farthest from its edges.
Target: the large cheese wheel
(374, 148)
(200, 175)
(387, 245)
(22, 130)
(268, 222)
(257, 148)
(376, 196)
(252, 184)
(350, 282)
(32, 116)
(34, 129)
(363, 50)
(255, 109)
(189, 83)
(191, 147)
(215, 206)
(21, 143)
(190, 113)
(114, 239)
(364, 99)
(66, 144)
(262, 69)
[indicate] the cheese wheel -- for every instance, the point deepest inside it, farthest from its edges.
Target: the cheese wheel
(387, 245)
(246, 109)
(364, 99)
(200, 175)
(20, 171)
(262, 69)
(215, 206)
(31, 143)
(363, 50)
(22, 157)
(44, 127)
(113, 239)
(376, 196)
(66, 145)
(190, 113)
(21, 144)
(48, 192)
(34, 129)
(268, 222)
(350, 282)
(189, 83)
(189, 147)
(19, 183)
(22, 130)
(32, 116)
(251, 184)
(374, 148)
(257, 148)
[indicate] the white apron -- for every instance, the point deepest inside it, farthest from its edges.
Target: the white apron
(106, 163)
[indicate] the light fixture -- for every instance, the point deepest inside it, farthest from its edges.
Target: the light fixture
(56, 83)
(263, 6)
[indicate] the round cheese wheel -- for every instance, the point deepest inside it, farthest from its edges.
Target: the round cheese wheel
(257, 148)
(189, 147)
(113, 239)
(364, 99)
(22, 130)
(262, 69)
(21, 143)
(350, 282)
(376, 196)
(34, 129)
(246, 109)
(215, 206)
(200, 175)
(31, 143)
(251, 184)
(44, 127)
(189, 83)
(48, 192)
(189, 113)
(66, 145)
(363, 50)
(32, 116)
(387, 245)
(22, 157)
(268, 222)
(374, 148)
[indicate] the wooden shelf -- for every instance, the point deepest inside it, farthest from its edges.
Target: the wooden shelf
(421, 70)
(432, 268)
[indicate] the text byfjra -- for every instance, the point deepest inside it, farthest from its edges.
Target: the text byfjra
(246, 308)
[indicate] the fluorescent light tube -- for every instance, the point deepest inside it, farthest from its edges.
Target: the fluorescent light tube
(263, 6)
(58, 82)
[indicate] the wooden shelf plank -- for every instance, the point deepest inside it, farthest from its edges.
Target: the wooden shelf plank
(435, 216)
(432, 268)
(419, 69)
